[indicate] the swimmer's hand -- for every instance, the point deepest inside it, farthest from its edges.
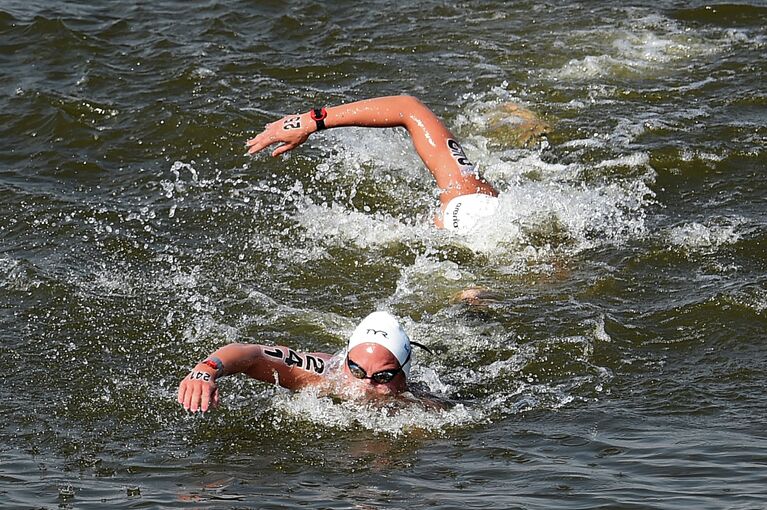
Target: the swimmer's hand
(199, 390)
(290, 131)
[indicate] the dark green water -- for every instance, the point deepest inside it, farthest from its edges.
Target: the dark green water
(622, 364)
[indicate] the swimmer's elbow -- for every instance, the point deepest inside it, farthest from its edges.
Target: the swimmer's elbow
(410, 103)
(414, 113)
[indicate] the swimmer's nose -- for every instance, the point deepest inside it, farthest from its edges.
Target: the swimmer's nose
(383, 389)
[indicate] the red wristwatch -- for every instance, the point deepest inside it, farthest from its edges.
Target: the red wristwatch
(318, 115)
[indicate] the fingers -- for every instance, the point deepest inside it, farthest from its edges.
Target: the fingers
(185, 395)
(288, 132)
(196, 395)
(264, 139)
(260, 142)
(195, 404)
(181, 391)
(205, 400)
(282, 149)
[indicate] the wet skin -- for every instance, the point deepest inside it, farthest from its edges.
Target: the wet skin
(375, 358)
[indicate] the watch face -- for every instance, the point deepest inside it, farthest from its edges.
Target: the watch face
(319, 113)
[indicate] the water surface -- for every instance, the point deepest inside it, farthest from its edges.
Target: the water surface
(620, 364)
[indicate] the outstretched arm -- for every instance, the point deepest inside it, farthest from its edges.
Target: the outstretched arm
(434, 143)
(274, 364)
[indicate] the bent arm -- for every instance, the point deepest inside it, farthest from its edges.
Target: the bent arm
(279, 365)
(435, 144)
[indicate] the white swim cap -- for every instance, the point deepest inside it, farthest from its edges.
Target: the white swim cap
(384, 329)
(464, 211)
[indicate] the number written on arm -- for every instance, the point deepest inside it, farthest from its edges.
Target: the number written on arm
(304, 361)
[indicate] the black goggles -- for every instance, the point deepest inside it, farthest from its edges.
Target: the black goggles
(382, 377)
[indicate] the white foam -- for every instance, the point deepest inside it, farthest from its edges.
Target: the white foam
(527, 397)
(600, 333)
(203, 72)
(113, 283)
(693, 155)
(13, 276)
(489, 375)
(339, 226)
(7, 270)
(381, 154)
(395, 418)
(430, 278)
(561, 215)
(593, 142)
(463, 340)
(590, 67)
(639, 47)
(754, 298)
(697, 237)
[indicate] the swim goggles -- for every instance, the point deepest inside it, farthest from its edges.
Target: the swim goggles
(382, 377)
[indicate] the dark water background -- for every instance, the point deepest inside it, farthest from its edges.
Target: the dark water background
(622, 364)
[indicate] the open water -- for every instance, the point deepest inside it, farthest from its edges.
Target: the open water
(621, 363)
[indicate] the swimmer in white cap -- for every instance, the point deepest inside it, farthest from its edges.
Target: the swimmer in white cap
(465, 196)
(377, 360)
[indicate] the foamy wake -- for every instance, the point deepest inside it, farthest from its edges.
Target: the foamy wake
(640, 47)
(393, 420)
(698, 237)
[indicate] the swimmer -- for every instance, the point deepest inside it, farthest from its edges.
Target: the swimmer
(465, 196)
(376, 361)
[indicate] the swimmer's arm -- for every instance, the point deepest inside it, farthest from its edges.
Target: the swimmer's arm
(434, 143)
(274, 364)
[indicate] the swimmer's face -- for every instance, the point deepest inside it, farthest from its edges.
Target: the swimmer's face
(370, 364)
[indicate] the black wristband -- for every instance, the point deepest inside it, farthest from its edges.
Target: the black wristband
(318, 115)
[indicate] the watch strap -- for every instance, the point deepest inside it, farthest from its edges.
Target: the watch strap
(318, 115)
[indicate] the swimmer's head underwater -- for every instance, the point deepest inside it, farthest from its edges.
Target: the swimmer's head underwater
(463, 212)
